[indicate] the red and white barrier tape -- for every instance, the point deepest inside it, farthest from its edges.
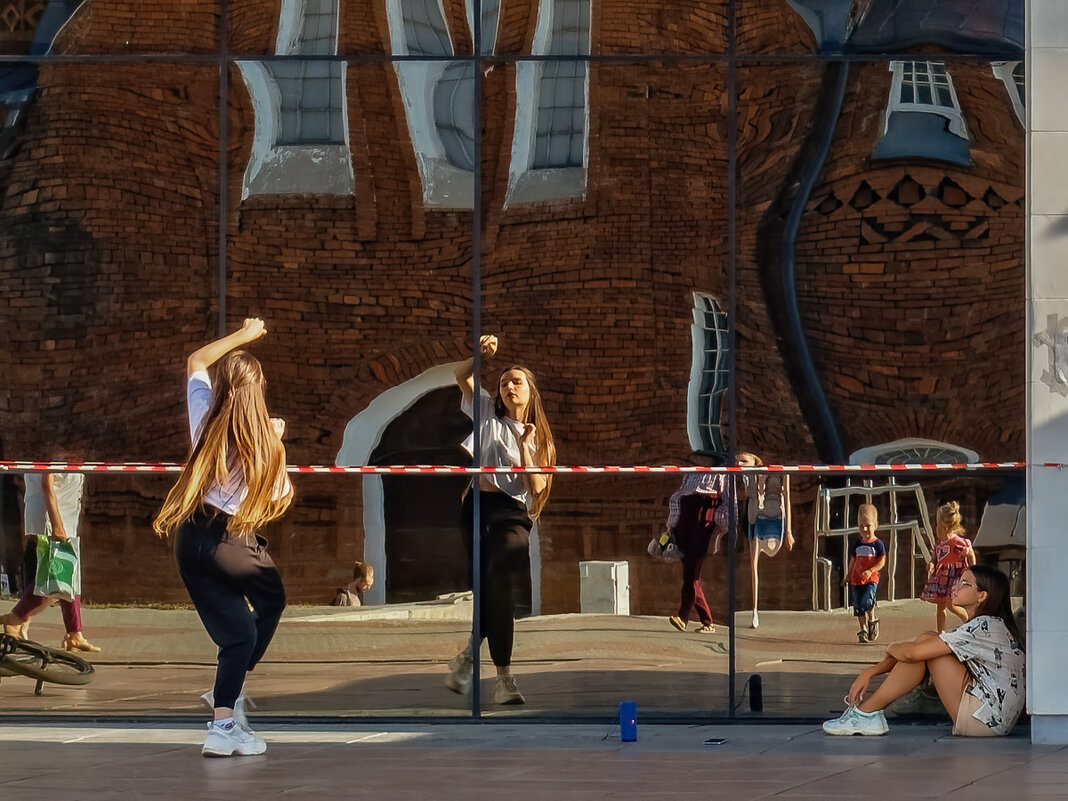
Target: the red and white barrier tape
(167, 467)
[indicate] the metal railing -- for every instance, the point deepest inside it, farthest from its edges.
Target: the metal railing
(921, 535)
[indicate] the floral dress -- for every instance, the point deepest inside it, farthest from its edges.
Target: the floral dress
(950, 561)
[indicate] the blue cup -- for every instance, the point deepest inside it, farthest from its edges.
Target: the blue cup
(628, 721)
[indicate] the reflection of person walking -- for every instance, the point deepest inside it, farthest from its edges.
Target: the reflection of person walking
(53, 506)
(692, 513)
(513, 432)
(233, 483)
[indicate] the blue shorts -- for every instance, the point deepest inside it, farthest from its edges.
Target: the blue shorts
(766, 528)
(862, 597)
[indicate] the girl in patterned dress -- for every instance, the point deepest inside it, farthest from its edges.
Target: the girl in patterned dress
(953, 555)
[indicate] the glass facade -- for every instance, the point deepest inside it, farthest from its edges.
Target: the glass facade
(781, 227)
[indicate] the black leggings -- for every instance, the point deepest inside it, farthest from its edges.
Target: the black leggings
(221, 572)
(504, 556)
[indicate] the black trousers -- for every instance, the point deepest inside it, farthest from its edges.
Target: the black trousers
(504, 554)
(221, 572)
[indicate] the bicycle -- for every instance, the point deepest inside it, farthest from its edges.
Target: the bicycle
(35, 661)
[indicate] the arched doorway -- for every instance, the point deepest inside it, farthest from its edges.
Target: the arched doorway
(432, 428)
(424, 549)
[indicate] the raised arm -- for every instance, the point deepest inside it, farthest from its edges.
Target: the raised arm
(202, 358)
(465, 372)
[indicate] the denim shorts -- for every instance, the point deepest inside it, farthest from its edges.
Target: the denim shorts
(862, 597)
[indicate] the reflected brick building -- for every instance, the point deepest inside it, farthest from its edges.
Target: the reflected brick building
(605, 251)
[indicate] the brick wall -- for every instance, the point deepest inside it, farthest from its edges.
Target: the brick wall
(108, 254)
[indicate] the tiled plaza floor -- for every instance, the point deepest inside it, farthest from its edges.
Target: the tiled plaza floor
(518, 762)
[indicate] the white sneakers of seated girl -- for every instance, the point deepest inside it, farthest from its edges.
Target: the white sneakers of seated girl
(853, 721)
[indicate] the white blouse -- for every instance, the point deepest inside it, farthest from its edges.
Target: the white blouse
(226, 497)
(997, 665)
(68, 490)
(499, 438)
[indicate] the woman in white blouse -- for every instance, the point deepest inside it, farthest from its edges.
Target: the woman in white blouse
(513, 432)
(978, 668)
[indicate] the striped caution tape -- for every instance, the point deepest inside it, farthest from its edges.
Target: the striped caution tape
(418, 469)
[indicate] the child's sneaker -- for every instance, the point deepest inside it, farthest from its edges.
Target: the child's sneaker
(853, 721)
(232, 740)
(873, 631)
(862, 636)
(461, 671)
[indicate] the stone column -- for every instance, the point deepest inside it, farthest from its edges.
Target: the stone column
(1047, 389)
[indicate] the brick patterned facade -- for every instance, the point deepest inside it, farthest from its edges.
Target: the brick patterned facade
(108, 254)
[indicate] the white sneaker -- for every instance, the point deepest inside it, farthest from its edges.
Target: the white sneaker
(756, 620)
(461, 671)
(237, 740)
(853, 721)
(241, 706)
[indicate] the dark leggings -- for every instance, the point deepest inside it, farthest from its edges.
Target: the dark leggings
(221, 572)
(693, 532)
(504, 555)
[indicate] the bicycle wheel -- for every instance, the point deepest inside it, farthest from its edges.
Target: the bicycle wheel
(36, 661)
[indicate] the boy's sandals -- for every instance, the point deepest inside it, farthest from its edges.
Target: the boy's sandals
(708, 628)
(677, 622)
(873, 631)
(862, 636)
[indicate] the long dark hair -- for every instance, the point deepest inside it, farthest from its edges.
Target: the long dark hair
(998, 602)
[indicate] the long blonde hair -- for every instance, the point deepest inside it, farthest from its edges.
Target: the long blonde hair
(236, 434)
(544, 446)
(948, 519)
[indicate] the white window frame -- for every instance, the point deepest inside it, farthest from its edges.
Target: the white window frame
(527, 184)
(877, 454)
(953, 115)
(273, 169)
(1003, 71)
(699, 368)
(445, 186)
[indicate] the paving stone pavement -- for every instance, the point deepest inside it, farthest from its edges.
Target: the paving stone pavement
(528, 761)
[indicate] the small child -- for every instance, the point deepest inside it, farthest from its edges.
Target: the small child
(363, 576)
(953, 555)
(867, 556)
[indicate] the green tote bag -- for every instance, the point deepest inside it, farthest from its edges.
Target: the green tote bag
(58, 569)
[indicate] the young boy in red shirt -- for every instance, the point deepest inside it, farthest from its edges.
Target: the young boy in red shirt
(867, 556)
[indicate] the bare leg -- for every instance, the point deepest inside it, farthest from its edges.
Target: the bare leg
(940, 615)
(754, 555)
(950, 677)
(903, 677)
(718, 541)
